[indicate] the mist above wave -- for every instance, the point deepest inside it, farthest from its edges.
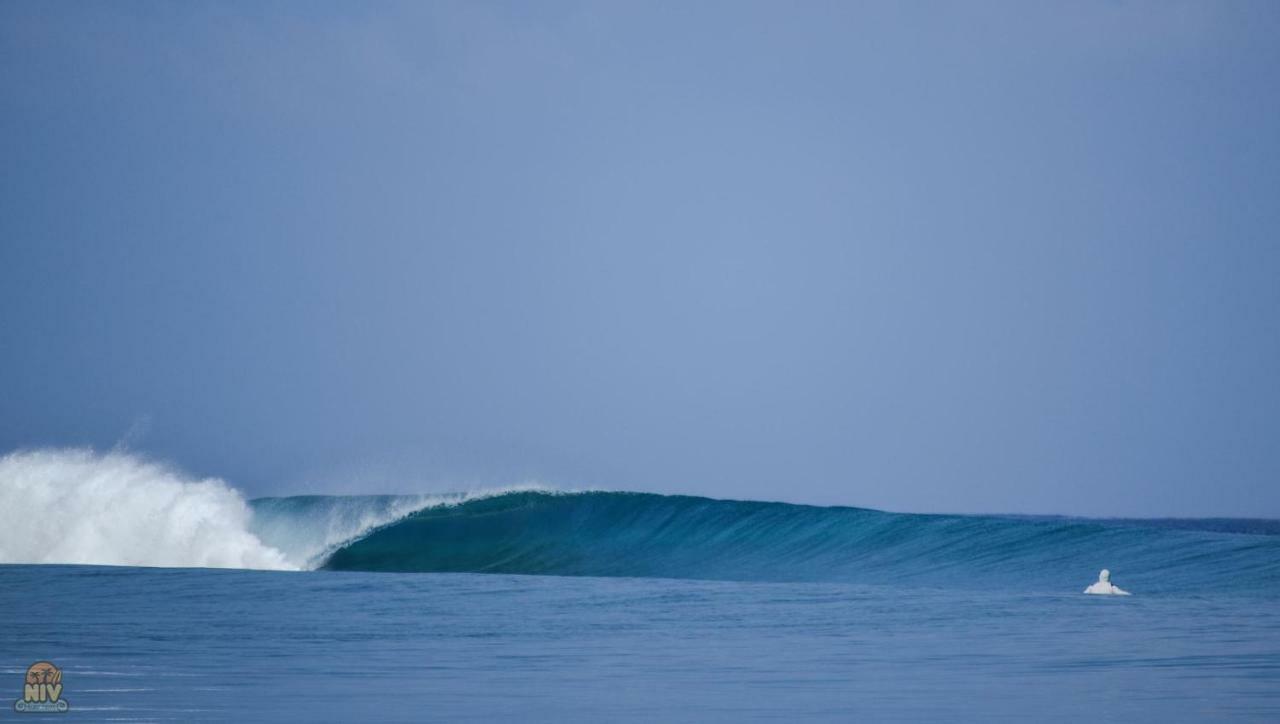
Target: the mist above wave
(115, 508)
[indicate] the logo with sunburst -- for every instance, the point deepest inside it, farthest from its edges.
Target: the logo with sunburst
(42, 690)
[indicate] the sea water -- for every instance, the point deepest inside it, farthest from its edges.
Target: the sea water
(148, 644)
(543, 605)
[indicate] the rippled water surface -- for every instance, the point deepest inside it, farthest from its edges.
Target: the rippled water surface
(142, 644)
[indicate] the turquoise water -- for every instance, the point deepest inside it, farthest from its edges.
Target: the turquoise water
(657, 608)
(674, 536)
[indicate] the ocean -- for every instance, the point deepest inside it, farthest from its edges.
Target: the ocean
(538, 605)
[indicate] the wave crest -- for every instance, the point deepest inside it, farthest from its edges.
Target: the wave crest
(309, 528)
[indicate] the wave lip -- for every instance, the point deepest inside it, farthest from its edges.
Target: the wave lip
(673, 536)
(309, 528)
(78, 506)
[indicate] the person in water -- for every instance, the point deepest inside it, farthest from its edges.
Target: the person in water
(1105, 587)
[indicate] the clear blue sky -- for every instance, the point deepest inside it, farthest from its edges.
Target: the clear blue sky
(921, 256)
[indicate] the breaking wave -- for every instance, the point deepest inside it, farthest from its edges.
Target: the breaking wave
(78, 506)
(309, 528)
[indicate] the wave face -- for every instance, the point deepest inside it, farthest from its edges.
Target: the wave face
(78, 506)
(646, 535)
(308, 528)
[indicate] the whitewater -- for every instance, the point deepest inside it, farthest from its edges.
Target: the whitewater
(78, 506)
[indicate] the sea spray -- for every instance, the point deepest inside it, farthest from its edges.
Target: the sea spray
(115, 508)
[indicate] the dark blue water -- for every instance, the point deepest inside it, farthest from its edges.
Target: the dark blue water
(631, 607)
(145, 644)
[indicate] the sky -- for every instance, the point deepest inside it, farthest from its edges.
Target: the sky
(921, 256)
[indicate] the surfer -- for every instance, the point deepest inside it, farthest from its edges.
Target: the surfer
(1104, 586)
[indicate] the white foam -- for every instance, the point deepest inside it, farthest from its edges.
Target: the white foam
(1104, 586)
(79, 506)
